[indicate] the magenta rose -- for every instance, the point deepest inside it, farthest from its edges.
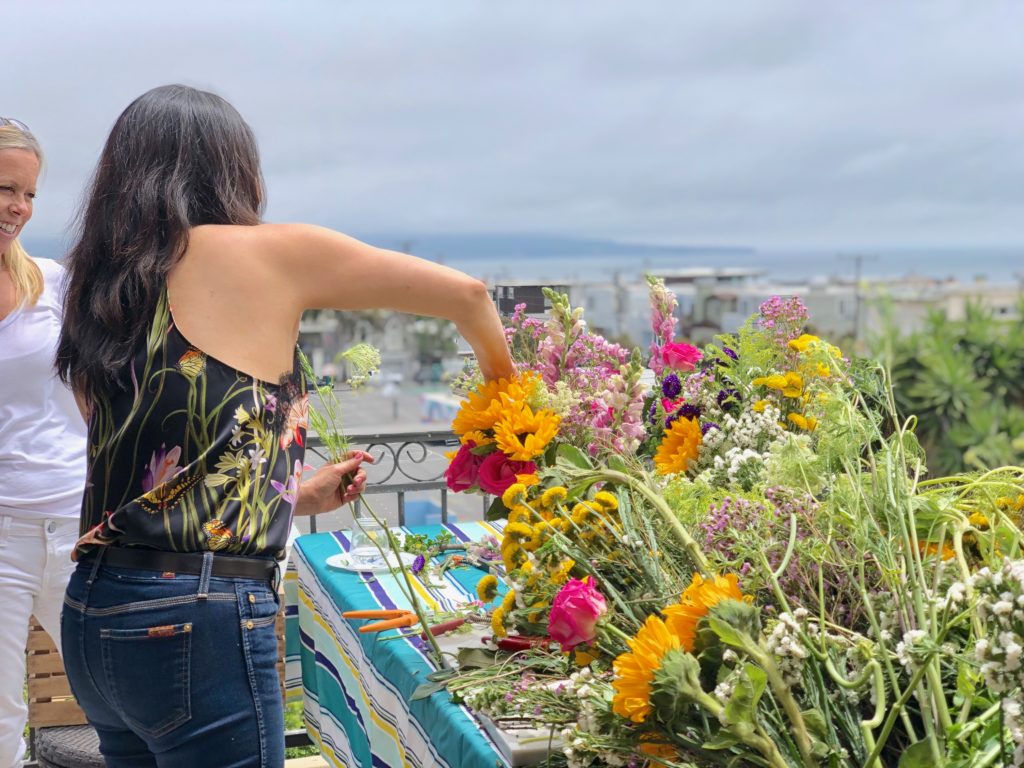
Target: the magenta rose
(575, 612)
(464, 471)
(498, 472)
(680, 357)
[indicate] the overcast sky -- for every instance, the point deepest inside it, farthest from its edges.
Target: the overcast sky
(773, 124)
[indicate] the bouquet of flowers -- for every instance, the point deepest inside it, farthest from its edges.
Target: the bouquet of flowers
(743, 564)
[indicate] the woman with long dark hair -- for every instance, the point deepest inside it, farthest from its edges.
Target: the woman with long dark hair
(180, 330)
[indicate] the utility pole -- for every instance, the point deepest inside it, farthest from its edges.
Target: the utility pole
(858, 265)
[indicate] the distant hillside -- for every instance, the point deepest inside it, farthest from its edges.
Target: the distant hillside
(498, 246)
(534, 246)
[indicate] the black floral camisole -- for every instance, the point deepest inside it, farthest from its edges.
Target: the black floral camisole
(196, 456)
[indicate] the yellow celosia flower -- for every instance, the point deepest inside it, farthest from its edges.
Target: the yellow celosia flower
(682, 618)
(554, 495)
(487, 588)
(607, 500)
(806, 423)
(679, 447)
(523, 434)
(498, 622)
(801, 344)
(514, 494)
(635, 670)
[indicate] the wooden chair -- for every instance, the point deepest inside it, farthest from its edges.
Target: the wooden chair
(59, 736)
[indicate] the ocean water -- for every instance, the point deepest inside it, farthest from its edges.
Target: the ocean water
(994, 265)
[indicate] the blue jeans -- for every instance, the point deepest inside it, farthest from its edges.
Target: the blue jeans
(175, 670)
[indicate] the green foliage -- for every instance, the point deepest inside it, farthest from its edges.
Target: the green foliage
(964, 379)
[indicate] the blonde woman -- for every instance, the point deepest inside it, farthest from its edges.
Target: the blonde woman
(42, 438)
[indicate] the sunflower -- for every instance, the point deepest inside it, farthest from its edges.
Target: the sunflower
(482, 408)
(487, 588)
(683, 617)
(523, 434)
(635, 670)
(679, 447)
(479, 438)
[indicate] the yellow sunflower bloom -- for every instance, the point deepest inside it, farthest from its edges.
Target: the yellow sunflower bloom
(635, 670)
(523, 434)
(478, 437)
(679, 447)
(683, 617)
(487, 588)
(482, 409)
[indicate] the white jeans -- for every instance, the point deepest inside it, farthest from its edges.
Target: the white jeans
(35, 567)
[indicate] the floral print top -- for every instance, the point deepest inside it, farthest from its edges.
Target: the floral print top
(196, 456)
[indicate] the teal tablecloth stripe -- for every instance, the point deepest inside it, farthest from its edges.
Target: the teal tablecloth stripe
(357, 688)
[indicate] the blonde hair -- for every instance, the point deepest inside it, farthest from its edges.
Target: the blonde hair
(27, 277)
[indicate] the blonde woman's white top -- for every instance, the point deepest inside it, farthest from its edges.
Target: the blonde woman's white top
(42, 434)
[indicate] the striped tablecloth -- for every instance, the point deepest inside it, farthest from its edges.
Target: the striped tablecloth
(356, 688)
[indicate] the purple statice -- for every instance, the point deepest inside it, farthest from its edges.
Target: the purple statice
(707, 426)
(663, 321)
(783, 318)
(671, 386)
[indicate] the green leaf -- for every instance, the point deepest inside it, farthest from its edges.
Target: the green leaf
(726, 633)
(741, 709)
(919, 755)
(721, 740)
(574, 456)
(441, 674)
(816, 723)
(616, 462)
(475, 658)
(497, 510)
(427, 690)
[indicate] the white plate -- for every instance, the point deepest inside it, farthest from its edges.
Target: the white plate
(343, 562)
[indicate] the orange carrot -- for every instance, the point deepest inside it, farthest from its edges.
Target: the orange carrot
(379, 613)
(402, 621)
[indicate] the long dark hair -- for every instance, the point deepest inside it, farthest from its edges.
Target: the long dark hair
(176, 158)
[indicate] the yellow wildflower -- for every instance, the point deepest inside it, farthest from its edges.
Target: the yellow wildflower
(514, 494)
(487, 588)
(518, 532)
(801, 344)
(607, 500)
(760, 405)
(679, 447)
(806, 423)
(529, 480)
(979, 521)
(554, 495)
(498, 622)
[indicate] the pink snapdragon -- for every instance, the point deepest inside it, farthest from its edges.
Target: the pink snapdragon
(575, 611)
(663, 320)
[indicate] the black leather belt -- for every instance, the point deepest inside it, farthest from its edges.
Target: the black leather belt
(228, 566)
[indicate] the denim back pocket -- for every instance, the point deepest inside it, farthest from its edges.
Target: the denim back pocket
(148, 672)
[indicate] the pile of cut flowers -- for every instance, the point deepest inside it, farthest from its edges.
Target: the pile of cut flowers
(734, 555)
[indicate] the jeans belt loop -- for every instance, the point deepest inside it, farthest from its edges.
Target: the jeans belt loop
(204, 576)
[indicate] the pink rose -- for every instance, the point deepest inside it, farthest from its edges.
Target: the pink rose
(680, 357)
(498, 472)
(575, 612)
(464, 470)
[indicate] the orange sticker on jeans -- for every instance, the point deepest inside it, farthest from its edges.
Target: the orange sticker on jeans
(166, 631)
